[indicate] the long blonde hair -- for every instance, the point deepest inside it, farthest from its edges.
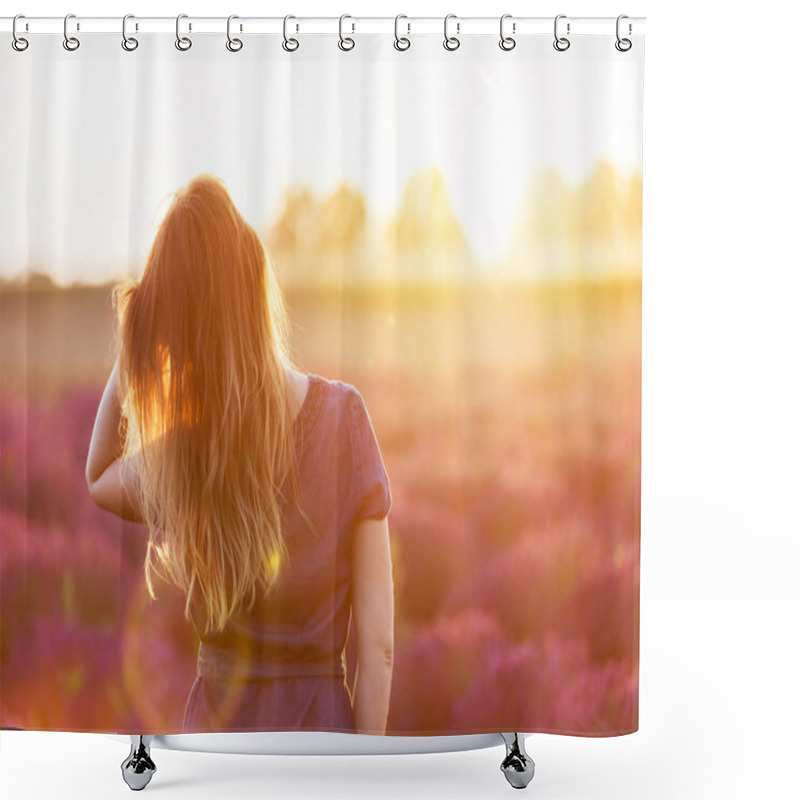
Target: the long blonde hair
(202, 341)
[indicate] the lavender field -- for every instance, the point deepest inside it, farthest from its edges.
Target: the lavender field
(509, 422)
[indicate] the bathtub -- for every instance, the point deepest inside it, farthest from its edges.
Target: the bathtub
(139, 767)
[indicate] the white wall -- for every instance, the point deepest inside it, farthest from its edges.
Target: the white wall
(720, 519)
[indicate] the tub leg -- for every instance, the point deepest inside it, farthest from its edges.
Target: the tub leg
(138, 768)
(517, 766)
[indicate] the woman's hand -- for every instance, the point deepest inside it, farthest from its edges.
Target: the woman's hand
(103, 476)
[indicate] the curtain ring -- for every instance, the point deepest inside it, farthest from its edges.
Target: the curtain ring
(451, 42)
(561, 43)
(234, 45)
(129, 43)
(506, 42)
(351, 42)
(294, 43)
(401, 42)
(623, 45)
(181, 42)
(70, 42)
(19, 43)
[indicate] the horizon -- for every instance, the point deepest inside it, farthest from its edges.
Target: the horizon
(425, 226)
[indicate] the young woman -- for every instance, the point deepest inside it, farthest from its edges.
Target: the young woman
(263, 488)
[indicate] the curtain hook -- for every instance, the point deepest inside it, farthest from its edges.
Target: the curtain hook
(181, 42)
(70, 42)
(234, 45)
(401, 42)
(342, 40)
(623, 45)
(295, 44)
(19, 43)
(561, 43)
(129, 43)
(506, 42)
(451, 42)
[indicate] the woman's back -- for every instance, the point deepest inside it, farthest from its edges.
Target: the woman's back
(280, 664)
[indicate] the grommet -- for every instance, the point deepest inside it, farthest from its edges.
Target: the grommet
(234, 45)
(561, 43)
(623, 45)
(451, 42)
(401, 42)
(506, 42)
(129, 43)
(342, 39)
(286, 41)
(19, 43)
(181, 42)
(70, 42)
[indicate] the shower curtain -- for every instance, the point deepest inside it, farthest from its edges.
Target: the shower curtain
(407, 274)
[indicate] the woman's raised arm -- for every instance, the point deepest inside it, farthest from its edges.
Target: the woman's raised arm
(103, 476)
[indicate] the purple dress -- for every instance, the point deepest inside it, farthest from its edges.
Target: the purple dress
(280, 665)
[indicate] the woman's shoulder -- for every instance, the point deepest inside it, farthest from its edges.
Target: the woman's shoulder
(340, 393)
(368, 492)
(345, 408)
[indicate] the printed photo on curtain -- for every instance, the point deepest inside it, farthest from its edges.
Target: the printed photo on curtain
(321, 384)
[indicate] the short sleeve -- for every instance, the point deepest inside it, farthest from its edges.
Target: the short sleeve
(371, 493)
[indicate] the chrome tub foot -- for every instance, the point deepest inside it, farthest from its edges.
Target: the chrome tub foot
(517, 766)
(138, 768)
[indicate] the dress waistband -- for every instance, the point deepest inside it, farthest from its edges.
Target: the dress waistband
(232, 665)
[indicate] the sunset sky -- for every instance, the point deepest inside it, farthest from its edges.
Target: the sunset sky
(99, 138)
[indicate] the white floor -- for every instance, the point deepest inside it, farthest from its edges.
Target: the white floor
(718, 708)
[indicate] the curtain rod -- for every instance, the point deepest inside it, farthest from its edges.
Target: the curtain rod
(327, 25)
